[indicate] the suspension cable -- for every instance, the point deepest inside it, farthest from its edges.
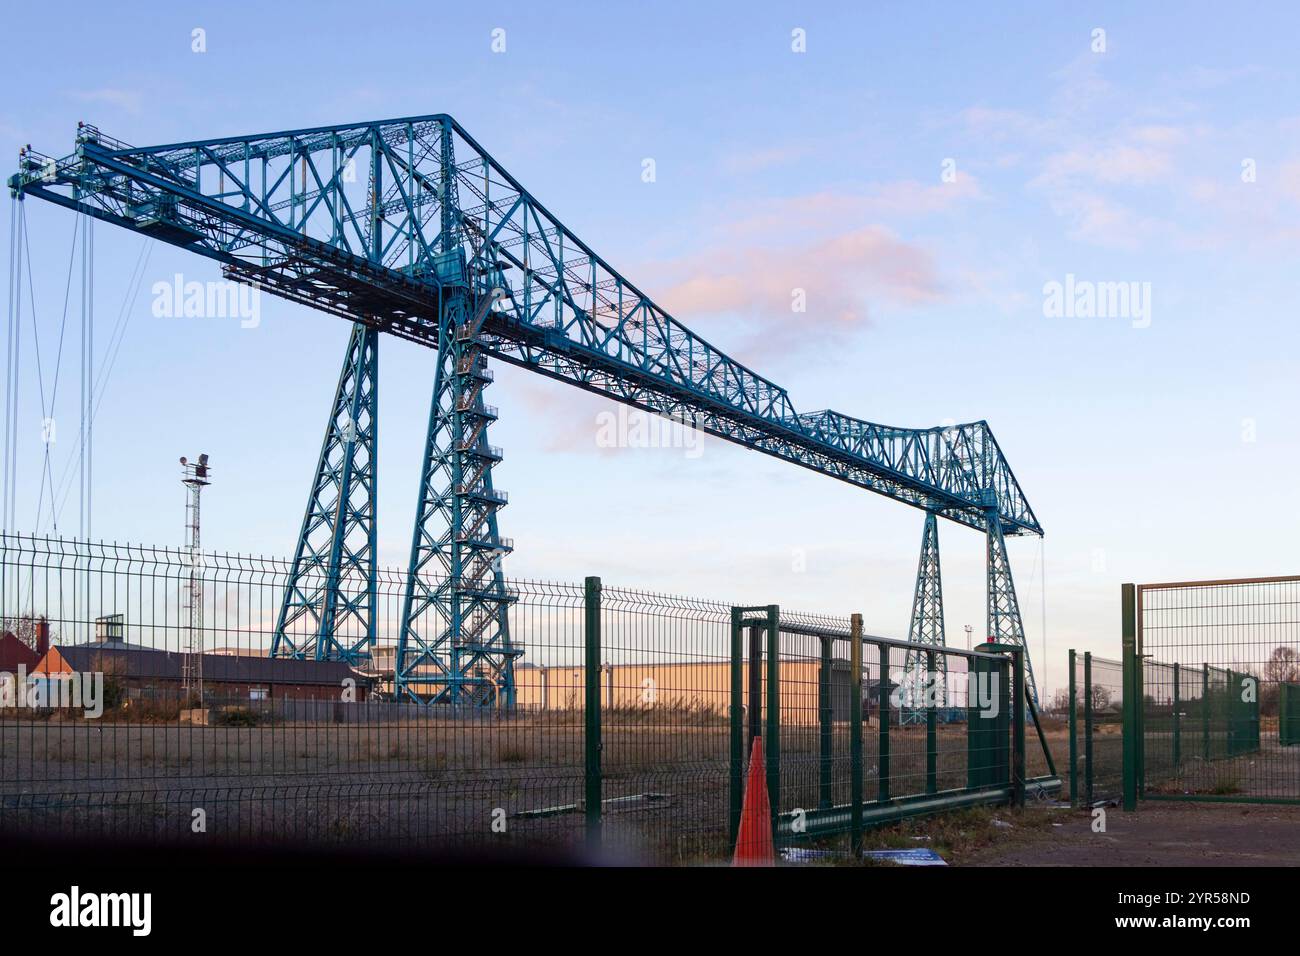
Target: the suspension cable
(107, 365)
(11, 373)
(47, 411)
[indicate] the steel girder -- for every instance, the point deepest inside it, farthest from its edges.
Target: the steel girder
(331, 598)
(1005, 625)
(290, 211)
(926, 628)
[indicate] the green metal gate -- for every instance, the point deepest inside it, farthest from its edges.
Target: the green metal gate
(1209, 709)
(842, 744)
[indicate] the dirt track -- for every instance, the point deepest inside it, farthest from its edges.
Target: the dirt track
(1161, 834)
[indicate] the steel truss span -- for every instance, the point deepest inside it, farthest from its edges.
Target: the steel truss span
(408, 226)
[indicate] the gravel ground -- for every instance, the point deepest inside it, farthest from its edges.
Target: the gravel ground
(1160, 834)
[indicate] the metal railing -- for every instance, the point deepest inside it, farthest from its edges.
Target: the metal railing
(826, 704)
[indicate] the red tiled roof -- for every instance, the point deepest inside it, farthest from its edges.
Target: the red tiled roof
(14, 652)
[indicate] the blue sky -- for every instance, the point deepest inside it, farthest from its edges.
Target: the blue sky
(1149, 450)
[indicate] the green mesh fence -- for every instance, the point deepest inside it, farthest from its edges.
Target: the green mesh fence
(1217, 658)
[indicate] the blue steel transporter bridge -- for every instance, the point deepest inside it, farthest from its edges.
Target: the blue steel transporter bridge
(409, 227)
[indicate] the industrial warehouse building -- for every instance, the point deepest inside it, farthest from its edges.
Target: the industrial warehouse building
(688, 688)
(692, 687)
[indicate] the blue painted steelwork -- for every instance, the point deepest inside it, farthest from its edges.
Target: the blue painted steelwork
(437, 229)
(328, 611)
(1005, 626)
(454, 644)
(926, 628)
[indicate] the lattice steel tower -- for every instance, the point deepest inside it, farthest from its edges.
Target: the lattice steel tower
(926, 628)
(439, 244)
(195, 477)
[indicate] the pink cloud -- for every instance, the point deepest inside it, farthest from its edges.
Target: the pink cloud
(838, 279)
(816, 211)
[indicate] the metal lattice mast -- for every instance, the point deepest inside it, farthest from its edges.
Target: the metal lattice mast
(194, 475)
(1004, 622)
(328, 611)
(454, 644)
(926, 626)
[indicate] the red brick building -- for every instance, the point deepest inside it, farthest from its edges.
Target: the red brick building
(226, 677)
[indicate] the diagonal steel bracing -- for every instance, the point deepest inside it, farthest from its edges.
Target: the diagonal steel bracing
(1005, 625)
(926, 628)
(328, 609)
(454, 644)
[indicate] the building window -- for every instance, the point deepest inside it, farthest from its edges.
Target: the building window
(259, 693)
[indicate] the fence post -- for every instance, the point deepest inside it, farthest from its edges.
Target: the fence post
(737, 726)
(1139, 702)
(932, 730)
(773, 742)
(855, 732)
(1018, 729)
(824, 716)
(755, 684)
(1074, 741)
(1205, 711)
(1087, 725)
(593, 707)
(883, 704)
(1128, 630)
(1178, 739)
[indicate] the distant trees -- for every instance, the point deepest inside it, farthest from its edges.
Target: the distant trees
(23, 627)
(1061, 701)
(1283, 665)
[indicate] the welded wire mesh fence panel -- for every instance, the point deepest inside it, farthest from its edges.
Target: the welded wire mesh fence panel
(928, 737)
(154, 694)
(799, 674)
(665, 722)
(1101, 724)
(1217, 659)
(816, 695)
(1091, 763)
(149, 707)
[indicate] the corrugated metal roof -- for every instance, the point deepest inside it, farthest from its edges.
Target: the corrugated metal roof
(167, 665)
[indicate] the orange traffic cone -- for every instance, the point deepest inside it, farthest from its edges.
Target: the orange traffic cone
(754, 841)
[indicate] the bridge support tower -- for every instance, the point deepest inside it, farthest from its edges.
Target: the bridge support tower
(330, 600)
(926, 628)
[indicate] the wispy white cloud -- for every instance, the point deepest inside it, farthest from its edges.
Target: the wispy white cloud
(832, 209)
(756, 160)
